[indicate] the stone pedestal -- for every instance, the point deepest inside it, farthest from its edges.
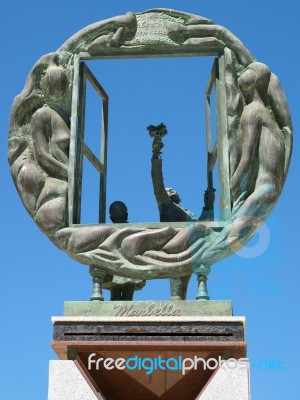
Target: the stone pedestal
(150, 357)
(67, 380)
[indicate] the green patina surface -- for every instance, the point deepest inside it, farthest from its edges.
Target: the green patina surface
(252, 150)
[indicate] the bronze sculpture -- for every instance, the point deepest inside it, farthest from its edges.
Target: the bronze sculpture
(252, 179)
(120, 288)
(168, 201)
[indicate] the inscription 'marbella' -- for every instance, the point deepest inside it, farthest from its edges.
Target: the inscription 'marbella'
(146, 310)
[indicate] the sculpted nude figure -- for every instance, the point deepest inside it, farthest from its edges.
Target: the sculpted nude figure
(262, 155)
(41, 170)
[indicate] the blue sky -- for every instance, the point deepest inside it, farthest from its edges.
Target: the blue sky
(37, 278)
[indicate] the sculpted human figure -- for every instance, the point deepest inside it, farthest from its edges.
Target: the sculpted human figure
(188, 34)
(170, 209)
(111, 32)
(50, 131)
(120, 288)
(259, 150)
(42, 171)
(262, 129)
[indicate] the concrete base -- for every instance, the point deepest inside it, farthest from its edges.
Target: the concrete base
(177, 308)
(228, 384)
(67, 382)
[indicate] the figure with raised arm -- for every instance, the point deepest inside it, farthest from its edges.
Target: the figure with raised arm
(169, 203)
